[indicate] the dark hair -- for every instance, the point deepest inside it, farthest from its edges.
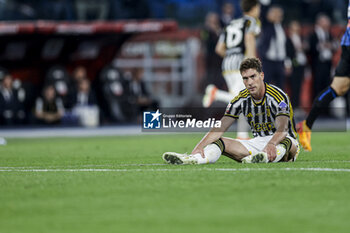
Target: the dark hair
(251, 63)
(247, 5)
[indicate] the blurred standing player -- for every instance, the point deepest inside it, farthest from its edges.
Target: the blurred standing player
(236, 42)
(339, 87)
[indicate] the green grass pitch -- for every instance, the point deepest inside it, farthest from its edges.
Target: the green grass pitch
(120, 184)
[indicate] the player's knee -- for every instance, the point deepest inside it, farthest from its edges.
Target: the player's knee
(293, 153)
(340, 90)
(220, 143)
(341, 86)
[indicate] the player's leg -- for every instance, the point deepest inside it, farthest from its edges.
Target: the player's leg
(234, 149)
(286, 151)
(212, 152)
(212, 93)
(293, 153)
(235, 85)
(340, 85)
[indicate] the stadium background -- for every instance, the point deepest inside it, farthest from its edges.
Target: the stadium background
(163, 42)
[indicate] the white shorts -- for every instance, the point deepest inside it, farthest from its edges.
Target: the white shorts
(257, 144)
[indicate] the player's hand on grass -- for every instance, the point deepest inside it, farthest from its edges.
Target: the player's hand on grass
(271, 151)
(198, 150)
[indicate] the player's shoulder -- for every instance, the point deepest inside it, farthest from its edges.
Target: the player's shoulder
(236, 23)
(243, 94)
(252, 24)
(276, 93)
(249, 19)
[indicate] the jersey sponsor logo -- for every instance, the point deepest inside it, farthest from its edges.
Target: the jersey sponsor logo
(265, 126)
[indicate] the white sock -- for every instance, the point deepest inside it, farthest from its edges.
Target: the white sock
(281, 151)
(223, 96)
(212, 153)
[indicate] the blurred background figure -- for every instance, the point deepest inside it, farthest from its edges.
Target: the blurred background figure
(115, 98)
(79, 74)
(142, 99)
(210, 35)
(11, 102)
(296, 47)
(322, 48)
(49, 108)
(58, 77)
(272, 45)
(84, 96)
(227, 14)
(85, 104)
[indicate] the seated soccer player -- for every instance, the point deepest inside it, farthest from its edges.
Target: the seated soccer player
(339, 87)
(270, 116)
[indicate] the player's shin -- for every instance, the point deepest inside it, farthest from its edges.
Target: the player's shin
(321, 102)
(282, 149)
(223, 96)
(212, 152)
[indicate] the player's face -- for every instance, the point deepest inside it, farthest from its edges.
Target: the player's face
(254, 82)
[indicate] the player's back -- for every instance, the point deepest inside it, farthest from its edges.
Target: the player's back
(235, 32)
(233, 37)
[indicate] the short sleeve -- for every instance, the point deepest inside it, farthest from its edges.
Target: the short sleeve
(222, 38)
(283, 108)
(253, 26)
(234, 108)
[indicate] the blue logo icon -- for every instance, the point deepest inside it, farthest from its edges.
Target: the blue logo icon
(151, 120)
(283, 105)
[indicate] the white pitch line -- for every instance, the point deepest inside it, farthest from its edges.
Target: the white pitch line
(90, 166)
(180, 169)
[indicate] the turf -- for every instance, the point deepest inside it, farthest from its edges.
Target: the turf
(120, 184)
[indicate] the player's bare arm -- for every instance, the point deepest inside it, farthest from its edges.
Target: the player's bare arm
(250, 44)
(220, 49)
(213, 135)
(281, 125)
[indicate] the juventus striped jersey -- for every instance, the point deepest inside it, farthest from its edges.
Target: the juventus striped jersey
(346, 37)
(233, 38)
(262, 116)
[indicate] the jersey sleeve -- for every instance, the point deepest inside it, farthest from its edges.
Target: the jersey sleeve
(253, 26)
(234, 108)
(222, 37)
(283, 108)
